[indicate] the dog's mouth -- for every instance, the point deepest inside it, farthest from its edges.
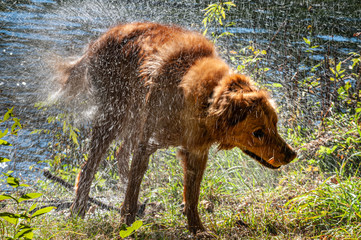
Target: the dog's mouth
(260, 160)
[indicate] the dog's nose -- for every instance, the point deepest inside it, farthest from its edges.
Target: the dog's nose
(290, 154)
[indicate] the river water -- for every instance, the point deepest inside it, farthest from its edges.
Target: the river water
(31, 31)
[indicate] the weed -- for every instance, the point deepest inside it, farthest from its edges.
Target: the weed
(331, 208)
(20, 221)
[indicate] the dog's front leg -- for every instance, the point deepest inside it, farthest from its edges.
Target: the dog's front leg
(194, 164)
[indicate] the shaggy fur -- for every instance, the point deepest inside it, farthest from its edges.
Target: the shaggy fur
(158, 86)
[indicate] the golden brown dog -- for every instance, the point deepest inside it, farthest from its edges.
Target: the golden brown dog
(157, 86)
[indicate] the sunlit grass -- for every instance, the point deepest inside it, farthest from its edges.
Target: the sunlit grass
(239, 200)
(332, 207)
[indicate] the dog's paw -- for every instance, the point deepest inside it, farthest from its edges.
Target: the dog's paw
(204, 235)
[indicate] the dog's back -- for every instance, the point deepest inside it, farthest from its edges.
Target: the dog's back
(135, 63)
(150, 52)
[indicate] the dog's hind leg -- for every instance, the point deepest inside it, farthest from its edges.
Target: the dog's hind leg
(194, 164)
(138, 168)
(139, 165)
(103, 133)
(122, 156)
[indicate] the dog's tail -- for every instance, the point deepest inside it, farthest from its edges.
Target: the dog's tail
(72, 76)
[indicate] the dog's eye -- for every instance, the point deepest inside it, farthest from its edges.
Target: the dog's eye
(259, 133)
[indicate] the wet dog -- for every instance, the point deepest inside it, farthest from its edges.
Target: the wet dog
(157, 86)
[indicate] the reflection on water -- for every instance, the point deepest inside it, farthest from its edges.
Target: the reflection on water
(31, 31)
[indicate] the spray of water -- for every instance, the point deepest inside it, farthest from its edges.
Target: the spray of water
(39, 33)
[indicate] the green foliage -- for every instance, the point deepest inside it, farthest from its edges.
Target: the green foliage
(13, 130)
(129, 230)
(331, 136)
(214, 16)
(63, 120)
(310, 46)
(336, 203)
(67, 145)
(249, 60)
(20, 221)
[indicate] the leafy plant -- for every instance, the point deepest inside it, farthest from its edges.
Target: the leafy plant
(214, 16)
(20, 221)
(62, 120)
(129, 230)
(324, 119)
(249, 60)
(15, 127)
(335, 203)
(67, 143)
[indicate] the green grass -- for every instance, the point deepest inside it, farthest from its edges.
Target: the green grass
(249, 202)
(333, 208)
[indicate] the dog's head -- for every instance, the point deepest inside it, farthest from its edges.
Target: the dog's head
(245, 117)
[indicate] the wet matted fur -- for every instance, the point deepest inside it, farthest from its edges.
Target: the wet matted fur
(157, 86)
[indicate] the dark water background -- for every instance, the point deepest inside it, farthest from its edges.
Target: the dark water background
(32, 30)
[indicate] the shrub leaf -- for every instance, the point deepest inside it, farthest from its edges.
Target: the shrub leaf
(42, 211)
(29, 196)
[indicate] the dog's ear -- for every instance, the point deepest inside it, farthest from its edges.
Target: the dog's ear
(233, 99)
(238, 82)
(233, 107)
(240, 107)
(230, 87)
